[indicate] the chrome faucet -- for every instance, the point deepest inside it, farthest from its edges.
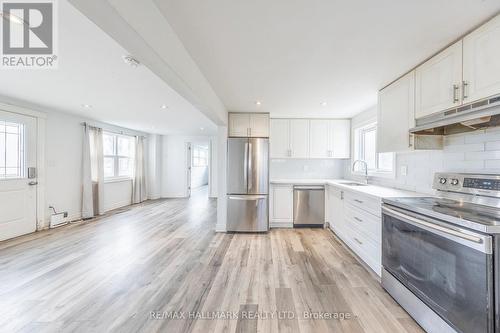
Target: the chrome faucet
(366, 168)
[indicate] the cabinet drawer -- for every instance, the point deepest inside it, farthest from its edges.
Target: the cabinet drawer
(363, 222)
(366, 203)
(369, 251)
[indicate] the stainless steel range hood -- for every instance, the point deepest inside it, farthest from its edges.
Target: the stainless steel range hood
(466, 118)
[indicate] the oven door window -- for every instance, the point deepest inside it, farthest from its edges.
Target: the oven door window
(451, 278)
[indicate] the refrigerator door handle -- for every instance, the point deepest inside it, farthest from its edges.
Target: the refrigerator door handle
(245, 166)
(250, 171)
(247, 197)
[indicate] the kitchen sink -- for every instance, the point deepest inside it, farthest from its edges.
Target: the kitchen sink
(352, 184)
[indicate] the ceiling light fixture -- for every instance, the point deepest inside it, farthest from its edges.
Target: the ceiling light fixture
(323, 103)
(258, 103)
(202, 129)
(164, 106)
(131, 61)
(86, 106)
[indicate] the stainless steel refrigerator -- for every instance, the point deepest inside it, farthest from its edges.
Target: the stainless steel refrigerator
(247, 184)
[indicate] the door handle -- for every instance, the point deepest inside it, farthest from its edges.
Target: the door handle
(465, 87)
(32, 183)
(250, 167)
(455, 93)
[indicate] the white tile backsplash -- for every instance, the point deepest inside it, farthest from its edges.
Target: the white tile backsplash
(307, 168)
(477, 151)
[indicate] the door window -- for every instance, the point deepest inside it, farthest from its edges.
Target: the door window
(12, 150)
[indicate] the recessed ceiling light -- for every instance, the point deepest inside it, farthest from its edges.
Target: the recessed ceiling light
(131, 61)
(323, 103)
(86, 106)
(258, 103)
(164, 107)
(201, 128)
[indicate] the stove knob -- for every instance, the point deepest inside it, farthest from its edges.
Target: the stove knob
(442, 180)
(454, 182)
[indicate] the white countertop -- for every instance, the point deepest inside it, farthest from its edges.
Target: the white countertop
(372, 190)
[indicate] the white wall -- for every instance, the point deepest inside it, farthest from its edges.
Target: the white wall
(174, 180)
(221, 178)
(64, 140)
(306, 168)
(477, 151)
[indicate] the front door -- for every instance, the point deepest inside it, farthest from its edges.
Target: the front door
(17, 184)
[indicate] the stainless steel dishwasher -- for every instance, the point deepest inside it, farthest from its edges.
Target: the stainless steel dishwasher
(308, 206)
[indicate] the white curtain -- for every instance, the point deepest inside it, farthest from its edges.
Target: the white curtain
(93, 172)
(139, 181)
(87, 197)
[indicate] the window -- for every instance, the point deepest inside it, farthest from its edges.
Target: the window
(365, 148)
(200, 156)
(12, 158)
(118, 151)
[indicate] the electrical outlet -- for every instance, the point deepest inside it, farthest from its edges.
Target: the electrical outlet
(404, 170)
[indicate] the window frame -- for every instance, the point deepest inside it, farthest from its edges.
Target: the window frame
(359, 153)
(21, 151)
(116, 158)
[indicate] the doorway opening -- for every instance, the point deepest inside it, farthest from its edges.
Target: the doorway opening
(199, 169)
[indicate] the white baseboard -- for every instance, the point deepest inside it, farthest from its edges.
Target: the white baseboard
(276, 224)
(220, 228)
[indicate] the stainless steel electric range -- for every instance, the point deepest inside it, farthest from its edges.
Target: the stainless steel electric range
(440, 255)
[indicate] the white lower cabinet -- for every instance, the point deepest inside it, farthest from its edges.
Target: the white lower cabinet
(355, 219)
(281, 206)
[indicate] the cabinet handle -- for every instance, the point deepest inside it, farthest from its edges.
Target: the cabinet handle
(358, 219)
(358, 201)
(341, 195)
(455, 93)
(465, 88)
(358, 241)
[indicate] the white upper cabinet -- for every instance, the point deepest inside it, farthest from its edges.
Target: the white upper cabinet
(239, 123)
(339, 138)
(299, 138)
(482, 62)
(396, 115)
(259, 125)
(280, 138)
(315, 138)
(249, 125)
(439, 81)
(319, 142)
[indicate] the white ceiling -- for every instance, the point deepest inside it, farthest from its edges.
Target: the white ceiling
(91, 71)
(293, 55)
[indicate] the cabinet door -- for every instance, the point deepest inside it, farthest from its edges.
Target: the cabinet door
(239, 124)
(335, 209)
(282, 203)
(482, 62)
(340, 138)
(396, 115)
(299, 138)
(319, 147)
(438, 82)
(280, 138)
(259, 125)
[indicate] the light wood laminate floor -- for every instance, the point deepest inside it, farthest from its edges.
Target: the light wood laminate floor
(145, 268)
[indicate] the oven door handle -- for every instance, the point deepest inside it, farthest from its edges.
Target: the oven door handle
(482, 243)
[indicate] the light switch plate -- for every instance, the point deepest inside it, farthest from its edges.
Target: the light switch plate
(404, 170)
